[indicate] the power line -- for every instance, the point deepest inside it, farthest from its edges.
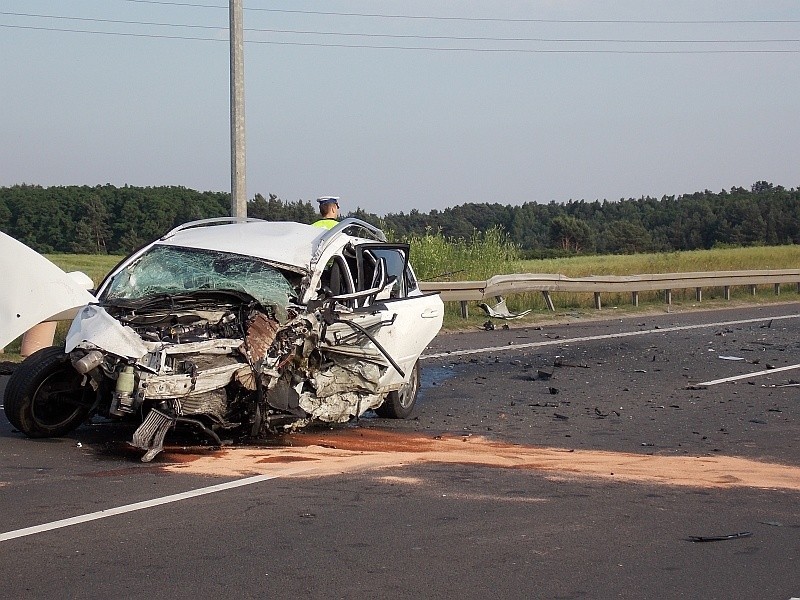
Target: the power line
(476, 19)
(112, 21)
(465, 38)
(406, 36)
(114, 33)
(424, 48)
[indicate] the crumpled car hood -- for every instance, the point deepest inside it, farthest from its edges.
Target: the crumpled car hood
(35, 290)
(103, 331)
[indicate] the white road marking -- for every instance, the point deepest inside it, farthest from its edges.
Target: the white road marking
(119, 510)
(747, 375)
(608, 336)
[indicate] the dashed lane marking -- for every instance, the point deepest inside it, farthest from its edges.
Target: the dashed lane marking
(746, 376)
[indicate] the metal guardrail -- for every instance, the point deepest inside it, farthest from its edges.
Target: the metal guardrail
(547, 283)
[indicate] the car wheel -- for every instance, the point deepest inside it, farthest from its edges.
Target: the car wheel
(44, 396)
(400, 404)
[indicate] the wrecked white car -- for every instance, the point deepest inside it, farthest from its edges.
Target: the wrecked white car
(237, 328)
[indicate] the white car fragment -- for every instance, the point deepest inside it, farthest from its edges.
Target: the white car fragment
(35, 290)
(237, 328)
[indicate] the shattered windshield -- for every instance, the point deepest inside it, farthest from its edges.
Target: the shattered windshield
(175, 270)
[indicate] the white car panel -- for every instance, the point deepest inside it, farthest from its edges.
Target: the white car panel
(417, 320)
(35, 290)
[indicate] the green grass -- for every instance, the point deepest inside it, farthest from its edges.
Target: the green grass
(718, 259)
(436, 258)
(94, 265)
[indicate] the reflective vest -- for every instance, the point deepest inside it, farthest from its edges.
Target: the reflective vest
(326, 223)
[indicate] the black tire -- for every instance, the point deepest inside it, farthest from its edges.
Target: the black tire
(400, 404)
(44, 396)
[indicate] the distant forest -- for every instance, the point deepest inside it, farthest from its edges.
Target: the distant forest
(116, 220)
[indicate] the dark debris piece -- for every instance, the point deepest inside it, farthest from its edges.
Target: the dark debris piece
(719, 538)
(559, 362)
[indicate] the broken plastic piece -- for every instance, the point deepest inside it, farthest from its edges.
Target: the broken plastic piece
(500, 310)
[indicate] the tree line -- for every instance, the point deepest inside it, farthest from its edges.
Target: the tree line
(116, 220)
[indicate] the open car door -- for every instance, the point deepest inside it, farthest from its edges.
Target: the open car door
(388, 304)
(35, 290)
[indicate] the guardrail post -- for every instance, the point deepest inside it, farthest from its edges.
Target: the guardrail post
(464, 309)
(597, 300)
(752, 290)
(777, 289)
(549, 301)
(698, 294)
(727, 291)
(668, 296)
(635, 298)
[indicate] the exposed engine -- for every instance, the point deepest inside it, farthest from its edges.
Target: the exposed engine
(179, 321)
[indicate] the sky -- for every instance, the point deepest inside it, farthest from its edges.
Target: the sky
(406, 105)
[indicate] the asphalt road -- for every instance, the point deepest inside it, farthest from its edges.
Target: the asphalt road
(568, 461)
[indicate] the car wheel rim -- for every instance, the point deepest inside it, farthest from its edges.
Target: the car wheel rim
(53, 402)
(409, 391)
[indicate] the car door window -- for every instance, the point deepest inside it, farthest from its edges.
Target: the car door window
(394, 259)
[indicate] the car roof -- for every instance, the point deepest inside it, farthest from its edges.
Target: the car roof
(279, 242)
(294, 245)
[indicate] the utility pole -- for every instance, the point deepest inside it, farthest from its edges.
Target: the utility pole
(238, 188)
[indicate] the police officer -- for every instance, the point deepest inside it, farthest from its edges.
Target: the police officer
(329, 212)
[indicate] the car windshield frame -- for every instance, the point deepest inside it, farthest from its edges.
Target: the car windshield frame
(165, 269)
